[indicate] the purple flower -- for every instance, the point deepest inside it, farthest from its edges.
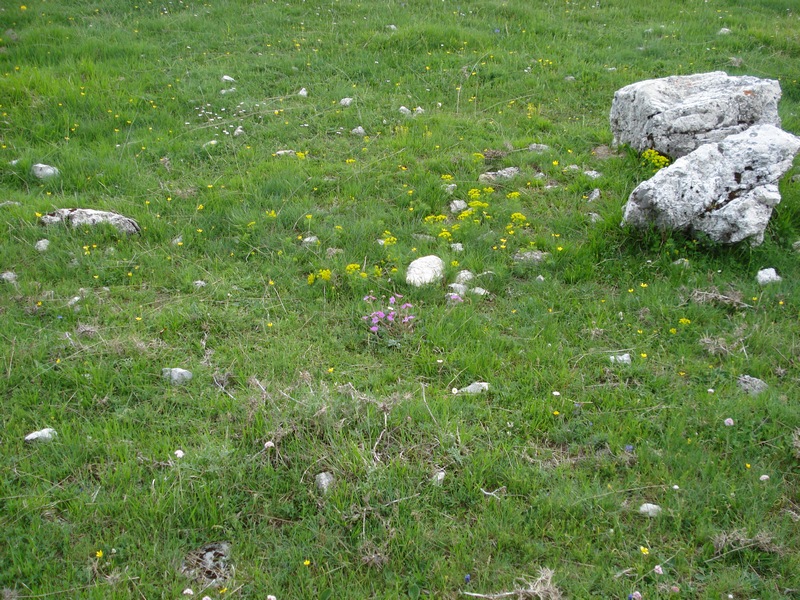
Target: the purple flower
(369, 298)
(628, 447)
(408, 318)
(658, 570)
(391, 300)
(390, 317)
(467, 578)
(635, 596)
(728, 422)
(407, 305)
(380, 314)
(374, 329)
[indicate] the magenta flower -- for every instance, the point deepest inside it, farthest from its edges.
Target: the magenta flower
(658, 570)
(728, 422)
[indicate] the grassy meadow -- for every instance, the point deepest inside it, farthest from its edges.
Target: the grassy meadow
(270, 236)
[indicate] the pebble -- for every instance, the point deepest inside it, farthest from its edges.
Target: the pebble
(765, 276)
(538, 147)
(622, 359)
(238, 131)
(593, 174)
(9, 277)
(311, 240)
(650, 510)
(199, 284)
(501, 175)
(533, 256)
(458, 206)
(176, 376)
(345, 102)
(752, 385)
(450, 188)
(358, 131)
(42, 245)
(478, 387)
(425, 270)
(724, 31)
(438, 477)
(324, 481)
(285, 153)
(465, 276)
(43, 435)
(594, 195)
(457, 247)
(303, 92)
(228, 79)
(41, 171)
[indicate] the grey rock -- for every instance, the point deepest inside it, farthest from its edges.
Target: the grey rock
(78, 217)
(724, 31)
(593, 174)
(43, 435)
(41, 171)
(752, 385)
(457, 247)
(796, 246)
(450, 188)
(238, 131)
(479, 291)
(310, 240)
(501, 175)
(465, 276)
(650, 510)
(425, 270)
(227, 79)
(594, 195)
(538, 147)
(285, 153)
(345, 102)
(765, 276)
(676, 115)
(405, 111)
(199, 284)
(42, 245)
(9, 277)
(620, 359)
(531, 256)
(9, 203)
(324, 481)
(177, 241)
(438, 477)
(458, 288)
(176, 376)
(457, 206)
(358, 131)
(726, 190)
(594, 217)
(477, 387)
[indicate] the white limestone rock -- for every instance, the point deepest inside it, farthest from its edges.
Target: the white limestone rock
(620, 359)
(765, 276)
(41, 171)
(425, 270)
(458, 206)
(78, 217)
(176, 376)
(752, 385)
(726, 190)
(594, 195)
(477, 387)
(531, 256)
(539, 148)
(238, 131)
(676, 115)
(358, 131)
(324, 481)
(465, 276)
(9, 277)
(345, 102)
(650, 510)
(501, 175)
(43, 435)
(42, 245)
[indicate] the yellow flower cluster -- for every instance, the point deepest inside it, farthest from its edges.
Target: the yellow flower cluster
(652, 158)
(434, 219)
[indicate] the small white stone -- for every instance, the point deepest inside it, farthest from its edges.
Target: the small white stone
(310, 240)
(405, 111)
(345, 102)
(681, 262)
(179, 453)
(391, 27)
(477, 387)
(228, 91)
(419, 110)
(177, 241)
(42, 245)
(425, 270)
(238, 131)
(465, 276)
(765, 276)
(594, 195)
(210, 143)
(675, 487)
(188, 592)
(269, 444)
(532, 256)
(458, 288)
(622, 359)
(228, 79)
(538, 147)
(724, 31)
(501, 175)
(176, 376)
(41, 171)
(358, 131)
(594, 217)
(764, 478)
(303, 92)
(199, 284)
(438, 477)
(9, 277)
(479, 291)
(539, 278)
(285, 153)
(43, 435)
(650, 510)
(457, 206)
(324, 481)
(457, 247)
(556, 393)
(593, 174)
(450, 188)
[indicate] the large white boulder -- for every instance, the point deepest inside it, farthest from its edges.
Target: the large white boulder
(726, 190)
(676, 115)
(78, 217)
(425, 270)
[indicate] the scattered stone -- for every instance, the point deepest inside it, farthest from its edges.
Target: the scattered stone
(538, 148)
(681, 262)
(391, 27)
(594, 195)
(457, 247)
(345, 102)
(178, 241)
(228, 91)
(501, 175)
(210, 143)
(531, 256)
(310, 240)
(450, 188)
(9, 203)
(458, 206)
(324, 481)
(199, 284)
(43, 435)
(419, 110)
(285, 153)
(438, 477)
(331, 252)
(727, 189)
(539, 278)
(676, 115)
(176, 376)
(765, 276)
(424, 237)
(208, 565)
(620, 359)
(458, 288)
(724, 31)
(425, 270)
(735, 61)
(650, 510)
(594, 217)
(477, 387)
(405, 111)
(593, 174)
(303, 93)
(479, 291)
(228, 79)
(78, 217)
(41, 171)
(465, 276)
(9, 277)
(752, 385)
(796, 246)
(238, 131)
(569, 78)
(604, 152)
(358, 131)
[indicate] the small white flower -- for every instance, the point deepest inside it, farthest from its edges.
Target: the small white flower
(710, 390)
(179, 453)
(454, 390)
(675, 487)
(556, 393)
(271, 597)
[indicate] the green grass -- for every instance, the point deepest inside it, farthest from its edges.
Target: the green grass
(123, 98)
